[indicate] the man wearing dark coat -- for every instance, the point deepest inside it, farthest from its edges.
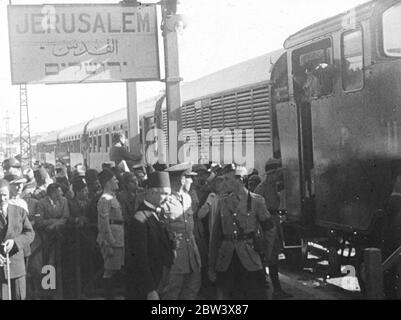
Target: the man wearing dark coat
(150, 251)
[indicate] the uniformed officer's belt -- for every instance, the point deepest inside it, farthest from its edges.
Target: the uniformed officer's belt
(111, 221)
(237, 237)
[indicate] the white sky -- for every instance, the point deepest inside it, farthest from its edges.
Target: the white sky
(220, 33)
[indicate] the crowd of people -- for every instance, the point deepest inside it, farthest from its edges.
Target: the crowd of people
(176, 233)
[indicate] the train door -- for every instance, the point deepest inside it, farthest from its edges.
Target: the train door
(285, 136)
(311, 80)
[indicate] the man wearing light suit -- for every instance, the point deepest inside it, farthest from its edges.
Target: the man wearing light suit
(16, 232)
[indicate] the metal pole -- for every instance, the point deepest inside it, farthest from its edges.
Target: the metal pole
(173, 84)
(132, 105)
(132, 115)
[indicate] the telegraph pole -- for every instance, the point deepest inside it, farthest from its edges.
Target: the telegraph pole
(170, 25)
(25, 132)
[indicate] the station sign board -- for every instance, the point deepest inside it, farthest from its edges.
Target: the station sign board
(83, 43)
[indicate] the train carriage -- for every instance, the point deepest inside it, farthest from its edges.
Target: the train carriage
(46, 148)
(237, 97)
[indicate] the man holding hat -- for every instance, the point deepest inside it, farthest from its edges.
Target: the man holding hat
(185, 274)
(111, 230)
(150, 250)
(270, 189)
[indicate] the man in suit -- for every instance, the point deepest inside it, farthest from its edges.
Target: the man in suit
(16, 232)
(150, 253)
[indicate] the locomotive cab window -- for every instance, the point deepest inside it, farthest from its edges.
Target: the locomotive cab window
(391, 31)
(352, 60)
(313, 69)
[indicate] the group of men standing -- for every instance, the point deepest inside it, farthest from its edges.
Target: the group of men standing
(165, 254)
(194, 231)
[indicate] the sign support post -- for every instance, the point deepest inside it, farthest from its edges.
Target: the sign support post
(171, 24)
(132, 116)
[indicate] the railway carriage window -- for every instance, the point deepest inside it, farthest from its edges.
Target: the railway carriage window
(352, 64)
(99, 144)
(107, 142)
(94, 143)
(391, 31)
(313, 69)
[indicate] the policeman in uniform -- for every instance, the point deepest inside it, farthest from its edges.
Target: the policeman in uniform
(185, 274)
(271, 189)
(234, 262)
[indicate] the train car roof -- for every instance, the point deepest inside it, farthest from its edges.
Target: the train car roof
(253, 71)
(49, 138)
(121, 114)
(250, 72)
(329, 25)
(72, 131)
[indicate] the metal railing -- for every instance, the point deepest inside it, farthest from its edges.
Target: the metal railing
(54, 248)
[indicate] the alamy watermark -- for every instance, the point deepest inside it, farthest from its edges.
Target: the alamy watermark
(220, 146)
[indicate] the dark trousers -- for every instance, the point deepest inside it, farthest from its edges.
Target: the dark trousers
(18, 288)
(237, 283)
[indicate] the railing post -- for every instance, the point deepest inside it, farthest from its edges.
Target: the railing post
(373, 273)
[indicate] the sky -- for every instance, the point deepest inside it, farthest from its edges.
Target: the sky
(219, 33)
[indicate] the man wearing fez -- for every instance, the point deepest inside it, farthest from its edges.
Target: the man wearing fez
(185, 275)
(150, 250)
(16, 232)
